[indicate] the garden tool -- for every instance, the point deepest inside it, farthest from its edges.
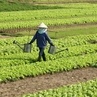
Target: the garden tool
(53, 50)
(26, 47)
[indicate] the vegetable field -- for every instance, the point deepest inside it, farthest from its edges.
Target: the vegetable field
(84, 13)
(75, 52)
(73, 30)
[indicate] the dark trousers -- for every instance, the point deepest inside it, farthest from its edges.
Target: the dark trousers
(41, 54)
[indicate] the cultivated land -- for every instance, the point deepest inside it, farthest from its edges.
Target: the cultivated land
(71, 71)
(48, 81)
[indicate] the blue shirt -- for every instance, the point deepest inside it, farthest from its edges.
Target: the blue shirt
(41, 39)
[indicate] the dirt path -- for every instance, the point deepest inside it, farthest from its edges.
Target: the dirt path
(31, 85)
(4, 37)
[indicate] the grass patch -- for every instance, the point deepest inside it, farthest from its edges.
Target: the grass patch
(16, 6)
(59, 32)
(71, 31)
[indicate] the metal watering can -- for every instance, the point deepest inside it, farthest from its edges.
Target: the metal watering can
(53, 50)
(26, 48)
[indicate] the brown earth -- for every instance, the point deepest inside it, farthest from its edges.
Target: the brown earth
(44, 82)
(2, 37)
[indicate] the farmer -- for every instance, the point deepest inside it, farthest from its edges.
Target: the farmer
(41, 37)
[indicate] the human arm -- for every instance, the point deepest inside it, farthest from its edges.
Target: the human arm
(49, 40)
(33, 39)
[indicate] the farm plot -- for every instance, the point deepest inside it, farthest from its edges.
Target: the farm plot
(69, 14)
(87, 89)
(75, 52)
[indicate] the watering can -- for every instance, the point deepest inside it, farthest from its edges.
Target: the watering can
(26, 48)
(53, 50)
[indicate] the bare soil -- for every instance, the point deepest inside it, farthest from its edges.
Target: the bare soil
(2, 37)
(48, 81)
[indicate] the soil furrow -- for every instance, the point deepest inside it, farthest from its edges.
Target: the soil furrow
(48, 81)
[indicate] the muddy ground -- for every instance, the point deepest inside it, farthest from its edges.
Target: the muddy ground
(48, 81)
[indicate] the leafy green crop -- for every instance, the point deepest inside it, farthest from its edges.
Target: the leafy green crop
(78, 52)
(69, 14)
(85, 89)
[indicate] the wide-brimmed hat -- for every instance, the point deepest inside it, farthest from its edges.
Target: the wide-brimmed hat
(42, 25)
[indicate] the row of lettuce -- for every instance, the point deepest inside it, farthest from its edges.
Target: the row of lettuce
(19, 59)
(58, 22)
(39, 68)
(79, 53)
(69, 14)
(84, 89)
(48, 14)
(82, 44)
(61, 42)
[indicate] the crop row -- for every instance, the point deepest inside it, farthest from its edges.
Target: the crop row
(62, 1)
(68, 15)
(84, 89)
(62, 42)
(46, 14)
(69, 43)
(23, 58)
(63, 21)
(39, 68)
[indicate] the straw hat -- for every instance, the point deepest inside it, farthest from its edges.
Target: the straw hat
(42, 25)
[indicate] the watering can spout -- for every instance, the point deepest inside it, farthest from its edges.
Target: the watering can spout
(15, 42)
(26, 48)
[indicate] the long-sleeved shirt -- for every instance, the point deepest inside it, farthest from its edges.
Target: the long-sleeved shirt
(41, 39)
